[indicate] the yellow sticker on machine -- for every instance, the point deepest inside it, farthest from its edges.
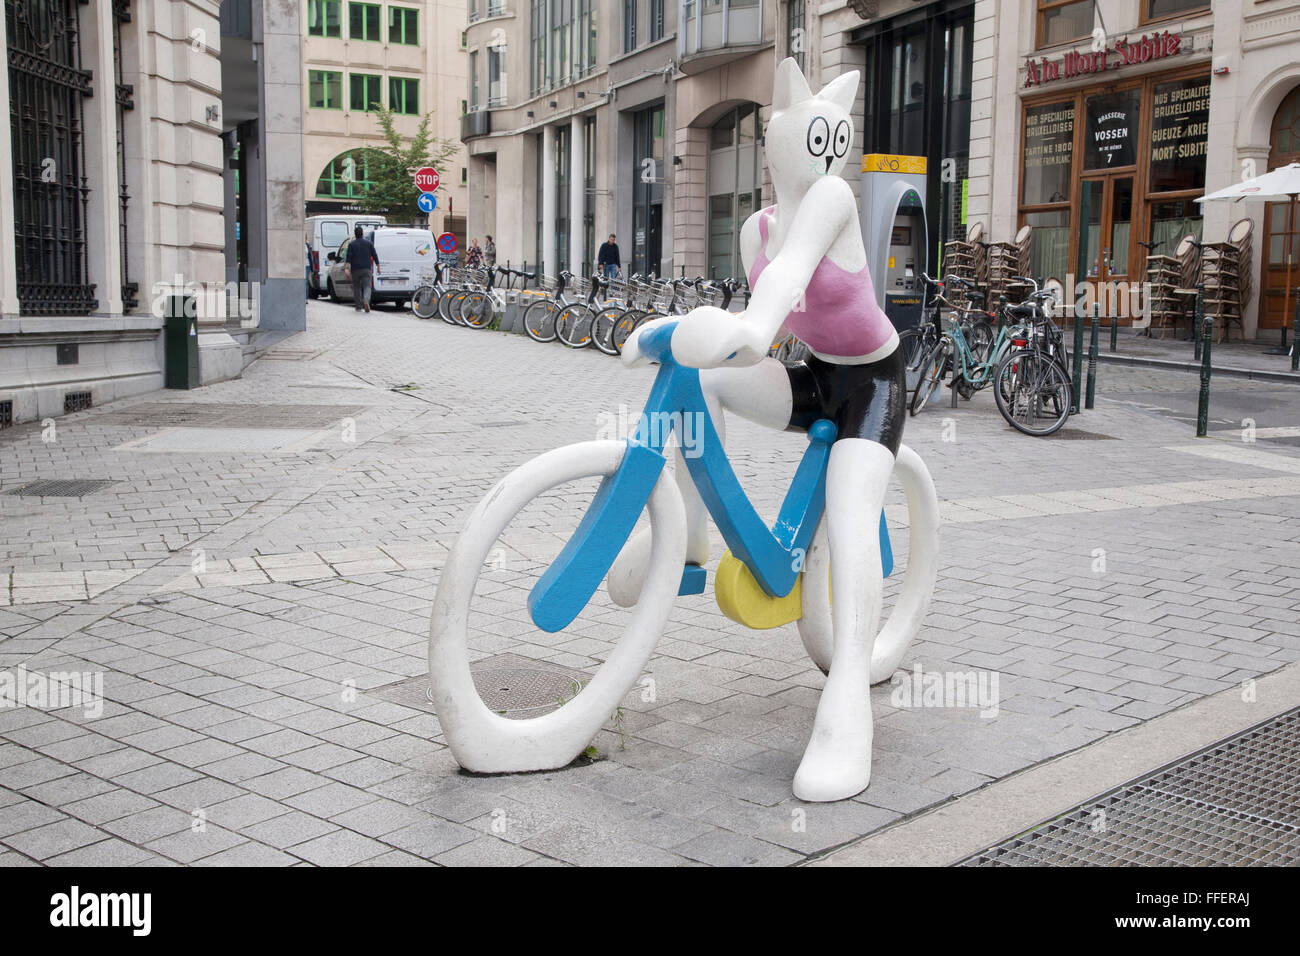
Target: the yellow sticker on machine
(887, 163)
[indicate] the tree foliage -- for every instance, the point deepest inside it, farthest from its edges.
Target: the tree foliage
(391, 168)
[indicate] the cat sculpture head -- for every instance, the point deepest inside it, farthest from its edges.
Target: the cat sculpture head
(809, 135)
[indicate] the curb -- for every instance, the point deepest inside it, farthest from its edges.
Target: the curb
(1292, 378)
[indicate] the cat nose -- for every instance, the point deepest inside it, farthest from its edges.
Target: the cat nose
(828, 164)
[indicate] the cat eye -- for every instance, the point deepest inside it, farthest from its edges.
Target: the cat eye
(819, 136)
(842, 138)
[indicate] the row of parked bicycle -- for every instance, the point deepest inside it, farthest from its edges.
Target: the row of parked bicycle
(1018, 350)
(574, 310)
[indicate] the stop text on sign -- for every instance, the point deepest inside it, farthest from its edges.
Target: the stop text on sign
(426, 179)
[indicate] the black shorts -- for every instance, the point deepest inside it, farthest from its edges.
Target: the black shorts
(864, 401)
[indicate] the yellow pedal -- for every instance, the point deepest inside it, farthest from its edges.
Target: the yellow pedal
(741, 598)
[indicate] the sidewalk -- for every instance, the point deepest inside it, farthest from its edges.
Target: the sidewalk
(254, 585)
(1244, 360)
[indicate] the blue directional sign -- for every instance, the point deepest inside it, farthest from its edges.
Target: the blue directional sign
(427, 202)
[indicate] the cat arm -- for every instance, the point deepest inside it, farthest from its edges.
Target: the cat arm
(709, 337)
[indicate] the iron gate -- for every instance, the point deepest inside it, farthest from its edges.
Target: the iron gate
(51, 192)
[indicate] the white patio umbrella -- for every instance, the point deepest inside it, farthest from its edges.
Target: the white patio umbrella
(1276, 185)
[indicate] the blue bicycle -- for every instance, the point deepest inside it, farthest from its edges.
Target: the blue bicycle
(770, 576)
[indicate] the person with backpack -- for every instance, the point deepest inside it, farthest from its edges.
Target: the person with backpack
(361, 254)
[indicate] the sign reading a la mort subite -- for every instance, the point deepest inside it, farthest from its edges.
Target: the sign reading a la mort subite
(1124, 52)
(426, 179)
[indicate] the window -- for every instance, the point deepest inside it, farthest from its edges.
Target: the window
(561, 42)
(496, 75)
(1159, 9)
(464, 175)
(584, 41)
(495, 8)
(589, 188)
(325, 90)
(464, 107)
(1061, 21)
(364, 92)
(629, 25)
(562, 184)
(537, 47)
(363, 21)
(346, 177)
(656, 20)
(325, 18)
(404, 26)
(473, 79)
(647, 190)
(794, 30)
(404, 95)
(735, 180)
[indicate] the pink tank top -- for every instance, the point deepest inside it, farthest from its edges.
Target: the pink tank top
(840, 317)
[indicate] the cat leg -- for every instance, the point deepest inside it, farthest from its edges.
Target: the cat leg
(837, 761)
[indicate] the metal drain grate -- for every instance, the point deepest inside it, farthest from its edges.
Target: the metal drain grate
(517, 687)
(1075, 434)
(1235, 803)
(228, 415)
(61, 487)
(498, 424)
(76, 402)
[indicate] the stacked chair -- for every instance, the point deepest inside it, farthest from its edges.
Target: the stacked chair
(1172, 278)
(1225, 273)
(965, 260)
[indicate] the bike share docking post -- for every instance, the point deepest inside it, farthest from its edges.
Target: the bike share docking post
(1092, 356)
(1200, 318)
(1078, 359)
(1295, 335)
(1203, 405)
(1114, 330)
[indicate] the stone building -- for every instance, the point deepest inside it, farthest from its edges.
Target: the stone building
(115, 192)
(406, 55)
(1127, 111)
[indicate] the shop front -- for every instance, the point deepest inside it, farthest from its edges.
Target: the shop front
(1110, 171)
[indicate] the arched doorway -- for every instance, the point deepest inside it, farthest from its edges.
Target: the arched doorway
(735, 185)
(1281, 229)
(348, 176)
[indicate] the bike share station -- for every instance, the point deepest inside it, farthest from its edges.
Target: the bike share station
(895, 233)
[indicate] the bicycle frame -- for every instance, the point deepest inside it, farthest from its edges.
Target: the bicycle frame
(774, 555)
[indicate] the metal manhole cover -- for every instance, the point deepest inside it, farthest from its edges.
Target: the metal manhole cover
(1074, 434)
(61, 487)
(1234, 803)
(517, 687)
(228, 415)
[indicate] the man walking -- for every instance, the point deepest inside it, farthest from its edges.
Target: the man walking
(608, 258)
(361, 253)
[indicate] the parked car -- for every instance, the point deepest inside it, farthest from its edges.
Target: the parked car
(405, 253)
(324, 235)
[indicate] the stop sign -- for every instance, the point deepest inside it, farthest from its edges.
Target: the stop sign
(426, 179)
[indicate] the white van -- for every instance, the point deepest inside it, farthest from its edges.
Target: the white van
(405, 254)
(324, 235)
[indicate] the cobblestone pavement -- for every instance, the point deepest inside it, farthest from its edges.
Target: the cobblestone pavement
(255, 585)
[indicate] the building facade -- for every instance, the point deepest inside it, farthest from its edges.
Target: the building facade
(1100, 123)
(406, 56)
(114, 197)
(645, 118)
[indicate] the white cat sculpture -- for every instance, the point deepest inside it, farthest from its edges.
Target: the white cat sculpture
(807, 269)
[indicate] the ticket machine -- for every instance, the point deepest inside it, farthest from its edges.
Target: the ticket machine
(895, 233)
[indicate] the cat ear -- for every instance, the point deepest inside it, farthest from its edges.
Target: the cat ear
(790, 86)
(842, 90)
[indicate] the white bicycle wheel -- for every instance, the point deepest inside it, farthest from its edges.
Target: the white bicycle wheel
(484, 741)
(914, 596)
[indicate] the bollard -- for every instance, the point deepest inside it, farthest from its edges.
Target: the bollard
(1203, 405)
(1077, 378)
(1092, 356)
(1199, 319)
(1114, 331)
